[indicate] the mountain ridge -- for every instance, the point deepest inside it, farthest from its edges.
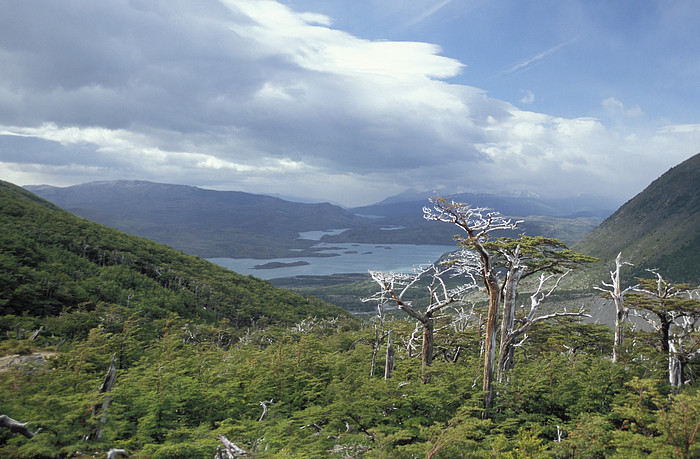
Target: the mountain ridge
(200, 221)
(659, 228)
(520, 205)
(236, 224)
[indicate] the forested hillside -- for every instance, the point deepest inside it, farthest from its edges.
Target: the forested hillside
(657, 229)
(109, 341)
(54, 263)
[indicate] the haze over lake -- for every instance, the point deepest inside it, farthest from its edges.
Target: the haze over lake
(347, 258)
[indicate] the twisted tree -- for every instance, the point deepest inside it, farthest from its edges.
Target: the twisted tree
(478, 224)
(502, 264)
(394, 287)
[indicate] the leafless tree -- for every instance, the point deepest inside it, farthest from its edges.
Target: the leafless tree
(230, 450)
(394, 286)
(615, 291)
(264, 404)
(16, 426)
(390, 357)
(380, 334)
(513, 334)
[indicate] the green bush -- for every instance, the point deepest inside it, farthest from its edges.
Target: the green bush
(12, 346)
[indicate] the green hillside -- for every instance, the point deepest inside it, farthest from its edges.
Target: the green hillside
(54, 263)
(658, 228)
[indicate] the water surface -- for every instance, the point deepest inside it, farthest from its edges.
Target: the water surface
(348, 258)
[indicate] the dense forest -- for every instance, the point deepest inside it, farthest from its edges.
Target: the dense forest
(115, 342)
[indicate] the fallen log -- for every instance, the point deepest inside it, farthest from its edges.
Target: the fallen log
(16, 426)
(116, 453)
(230, 450)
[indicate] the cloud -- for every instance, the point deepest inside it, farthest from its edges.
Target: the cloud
(432, 9)
(614, 106)
(528, 98)
(252, 95)
(529, 62)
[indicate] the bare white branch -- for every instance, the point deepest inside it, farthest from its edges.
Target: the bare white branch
(616, 293)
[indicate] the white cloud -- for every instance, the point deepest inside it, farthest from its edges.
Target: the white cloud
(681, 129)
(613, 105)
(308, 41)
(528, 98)
(529, 62)
(431, 9)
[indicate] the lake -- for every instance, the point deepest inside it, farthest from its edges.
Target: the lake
(347, 258)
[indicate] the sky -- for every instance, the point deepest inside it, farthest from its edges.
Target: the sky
(350, 101)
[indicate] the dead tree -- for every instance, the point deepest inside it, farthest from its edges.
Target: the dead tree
(376, 344)
(379, 335)
(116, 453)
(512, 335)
(673, 313)
(478, 224)
(614, 290)
(519, 258)
(264, 404)
(16, 426)
(105, 389)
(390, 357)
(394, 286)
(230, 450)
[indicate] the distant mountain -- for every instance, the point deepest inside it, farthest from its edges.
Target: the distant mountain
(233, 224)
(567, 219)
(522, 205)
(54, 263)
(201, 222)
(658, 228)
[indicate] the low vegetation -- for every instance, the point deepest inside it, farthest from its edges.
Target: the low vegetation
(181, 384)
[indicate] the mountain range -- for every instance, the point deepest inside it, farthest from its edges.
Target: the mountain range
(658, 228)
(523, 204)
(197, 221)
(233, 224)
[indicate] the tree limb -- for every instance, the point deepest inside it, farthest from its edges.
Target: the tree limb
(16, 426)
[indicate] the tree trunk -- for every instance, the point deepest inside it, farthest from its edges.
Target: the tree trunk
(675, 369)
(390, 357)
(622, 310)
(664, 331)
(505, 358)
(490, 344)
(428, 327)
(506, 349)
(619, 330)
(375, 350)
(106, 388)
